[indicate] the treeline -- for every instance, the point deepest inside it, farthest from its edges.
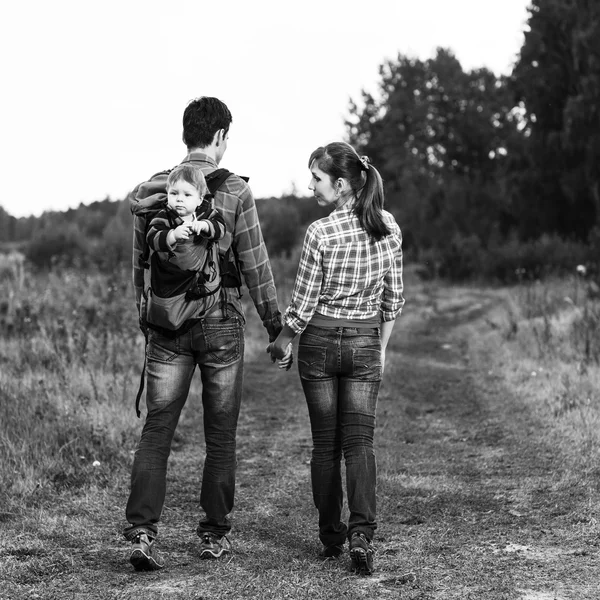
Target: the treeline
(99, 235)
(494, 176)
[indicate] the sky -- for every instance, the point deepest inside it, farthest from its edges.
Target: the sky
(94, 93)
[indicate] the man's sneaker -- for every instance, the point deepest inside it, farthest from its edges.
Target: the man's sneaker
(213, 546)
(361, 554)
(333, 551)
(144, 556)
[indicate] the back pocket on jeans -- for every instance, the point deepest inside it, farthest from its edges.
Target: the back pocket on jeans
(311, 361)
(366, 364)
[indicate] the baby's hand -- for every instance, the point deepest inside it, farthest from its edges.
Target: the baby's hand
(182, 232)
(199, 227)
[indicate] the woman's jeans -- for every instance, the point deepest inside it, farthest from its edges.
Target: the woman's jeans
(340, 369)
(217, 347)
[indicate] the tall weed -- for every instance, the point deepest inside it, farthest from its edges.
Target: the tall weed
(70, 357)
(558, 330)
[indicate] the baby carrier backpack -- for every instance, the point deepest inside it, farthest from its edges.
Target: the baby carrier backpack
(171, 298)
(171, 303)
(184, 283)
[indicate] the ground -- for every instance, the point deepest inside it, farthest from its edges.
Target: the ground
(474, 499)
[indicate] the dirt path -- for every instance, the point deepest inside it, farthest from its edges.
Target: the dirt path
(473, 500)
(485, 506)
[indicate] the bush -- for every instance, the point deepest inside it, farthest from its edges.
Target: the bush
(64, 246)
(279, 223)
(462, 259)
(513, 260)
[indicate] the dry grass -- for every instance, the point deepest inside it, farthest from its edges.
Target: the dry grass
(546, 346)
(487, 473)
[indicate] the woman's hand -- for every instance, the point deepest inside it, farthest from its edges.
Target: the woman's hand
(281, 348)
(288, 360)
(284, 355)
(276, 351)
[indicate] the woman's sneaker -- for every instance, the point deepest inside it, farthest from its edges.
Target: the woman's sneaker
(144, 556)
(361, 554)
(213, 546)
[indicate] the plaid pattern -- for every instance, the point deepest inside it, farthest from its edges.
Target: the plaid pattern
(344, 275)
(235, 203)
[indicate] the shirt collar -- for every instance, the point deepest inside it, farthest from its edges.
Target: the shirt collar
(200, 157)
(346, 207)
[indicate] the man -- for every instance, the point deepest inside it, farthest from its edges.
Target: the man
(214, 343)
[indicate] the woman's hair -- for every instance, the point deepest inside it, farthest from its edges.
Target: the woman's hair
(190, 174)
(339, 159)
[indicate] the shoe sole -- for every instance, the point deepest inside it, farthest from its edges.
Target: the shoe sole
(143, 562)
(360, 561)
(211, 554)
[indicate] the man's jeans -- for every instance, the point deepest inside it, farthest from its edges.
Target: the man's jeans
(217, 347)
(340, 370)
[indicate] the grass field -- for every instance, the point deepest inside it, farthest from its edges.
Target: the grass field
(487, 443)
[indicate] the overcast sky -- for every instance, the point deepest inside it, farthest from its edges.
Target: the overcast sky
(94, 92)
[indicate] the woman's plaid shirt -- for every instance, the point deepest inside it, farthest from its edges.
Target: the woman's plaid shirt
(343, 274)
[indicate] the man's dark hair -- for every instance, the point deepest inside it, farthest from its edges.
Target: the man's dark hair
(202, 118)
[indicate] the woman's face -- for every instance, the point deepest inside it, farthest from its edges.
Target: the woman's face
(320, 185)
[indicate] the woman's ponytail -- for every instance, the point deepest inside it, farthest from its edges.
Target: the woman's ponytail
(369, 204)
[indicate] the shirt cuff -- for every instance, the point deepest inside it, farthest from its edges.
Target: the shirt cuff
(273, 327)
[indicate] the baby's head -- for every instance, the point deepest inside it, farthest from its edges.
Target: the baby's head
(186, 187)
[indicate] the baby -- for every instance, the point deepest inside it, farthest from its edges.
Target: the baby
(188, 220)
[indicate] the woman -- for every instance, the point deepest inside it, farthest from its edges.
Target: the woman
(346, 297)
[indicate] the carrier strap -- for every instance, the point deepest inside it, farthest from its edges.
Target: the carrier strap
(142, 380)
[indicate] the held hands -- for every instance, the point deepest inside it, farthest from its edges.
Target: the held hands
(284, 355)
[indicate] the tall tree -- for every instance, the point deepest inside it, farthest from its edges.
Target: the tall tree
(582, 111)
(438, 135)
(557, 82)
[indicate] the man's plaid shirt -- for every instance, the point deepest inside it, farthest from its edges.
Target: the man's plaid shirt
(343, 274)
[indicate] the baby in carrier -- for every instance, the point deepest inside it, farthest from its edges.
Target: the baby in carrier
(181, 237)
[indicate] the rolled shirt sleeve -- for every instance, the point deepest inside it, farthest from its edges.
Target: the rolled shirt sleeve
(254, 259)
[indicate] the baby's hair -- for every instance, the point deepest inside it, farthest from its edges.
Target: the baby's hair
(190, 174)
